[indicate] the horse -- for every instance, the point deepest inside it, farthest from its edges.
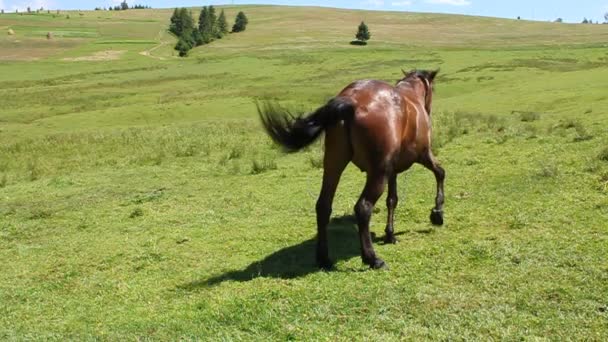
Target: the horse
(383, 130)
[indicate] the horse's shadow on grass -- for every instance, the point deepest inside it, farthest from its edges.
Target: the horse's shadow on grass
(297, 260)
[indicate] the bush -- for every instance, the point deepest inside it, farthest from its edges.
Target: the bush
(240, 23)
(183, 46)
(316, 162)
(363, 34)
(529, 116)
(603, 154)
(258, 167)
(548, 170)
(137, 212)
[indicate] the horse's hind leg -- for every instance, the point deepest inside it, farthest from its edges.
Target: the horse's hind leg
(391, 204)
(363, 209)
(430, 163)
(337, 156)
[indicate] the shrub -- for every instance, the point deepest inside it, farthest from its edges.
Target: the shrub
(258, 167)
(316, 162)
(137, 212)
(235, 153)
(33, 170)
(240, 23)
(603, 155)
(183, 46)
(363, 34)
(581, 134)
(529, 116)
(548, 170)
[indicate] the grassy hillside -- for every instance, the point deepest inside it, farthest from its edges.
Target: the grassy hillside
(139, 196)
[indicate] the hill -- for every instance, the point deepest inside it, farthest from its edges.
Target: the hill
(140, 198)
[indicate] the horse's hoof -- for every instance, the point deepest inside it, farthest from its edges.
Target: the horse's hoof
(437, 217)
(379, 264)
(325, 265)
(390, 239)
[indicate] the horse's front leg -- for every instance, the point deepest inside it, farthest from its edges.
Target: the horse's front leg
(430, 163)
(391, 204)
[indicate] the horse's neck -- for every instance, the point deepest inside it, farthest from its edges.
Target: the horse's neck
(412, 91)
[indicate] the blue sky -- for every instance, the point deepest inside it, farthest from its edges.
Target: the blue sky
(569, 10)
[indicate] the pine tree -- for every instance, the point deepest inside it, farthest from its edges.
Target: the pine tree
(222, 25)
(212, 18)
(363, 33)
(240, 24)
(205, 25)
(175, 26)
(187, 22)
(197, 38)
(202, 20)
(183, 46)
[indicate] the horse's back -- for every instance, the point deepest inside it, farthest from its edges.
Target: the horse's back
(375, 129)
(385, 132)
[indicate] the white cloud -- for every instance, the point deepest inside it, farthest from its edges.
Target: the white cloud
(33, 5)
(401, 3)
(377, 3)
(1, 4)
(450, 2)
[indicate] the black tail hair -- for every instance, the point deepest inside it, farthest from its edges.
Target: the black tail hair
(294, 132)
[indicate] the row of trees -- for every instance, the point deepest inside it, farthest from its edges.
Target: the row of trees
(210, 27)
(122, 7)
(589, 21)
(585, 20)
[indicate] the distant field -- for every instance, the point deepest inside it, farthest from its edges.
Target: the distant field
(140, 198)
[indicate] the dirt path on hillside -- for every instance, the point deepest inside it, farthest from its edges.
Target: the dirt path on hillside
(161, 43)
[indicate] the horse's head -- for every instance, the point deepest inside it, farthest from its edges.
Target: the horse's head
(427, 78)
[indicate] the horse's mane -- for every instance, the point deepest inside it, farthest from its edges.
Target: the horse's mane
(428, 75)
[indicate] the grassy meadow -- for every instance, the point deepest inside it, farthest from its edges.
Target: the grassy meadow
(140, 198)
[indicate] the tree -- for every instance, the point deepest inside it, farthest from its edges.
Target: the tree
(559, 20)
(187, 22)
(208, 24)
(124, 6)
(175, 25)
(183, 46)
(240, 24)
(585, 21)
(197, 38)
(606, 17)
(212, 18)
(363, 34)
(222, 25)
(182, 25)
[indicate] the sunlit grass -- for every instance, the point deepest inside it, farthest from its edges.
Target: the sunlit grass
(140, 198)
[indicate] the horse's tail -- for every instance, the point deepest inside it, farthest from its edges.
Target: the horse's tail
(296, 132)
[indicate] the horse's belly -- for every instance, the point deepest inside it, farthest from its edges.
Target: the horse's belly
(404, 160)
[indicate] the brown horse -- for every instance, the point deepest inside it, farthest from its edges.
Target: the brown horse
(383, 130)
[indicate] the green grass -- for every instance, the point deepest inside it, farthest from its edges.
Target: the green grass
(140, 198)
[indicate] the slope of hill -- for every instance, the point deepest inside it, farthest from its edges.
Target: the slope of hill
(139, 197)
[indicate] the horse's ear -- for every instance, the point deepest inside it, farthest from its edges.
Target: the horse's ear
(404, 72)
(432, 75)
